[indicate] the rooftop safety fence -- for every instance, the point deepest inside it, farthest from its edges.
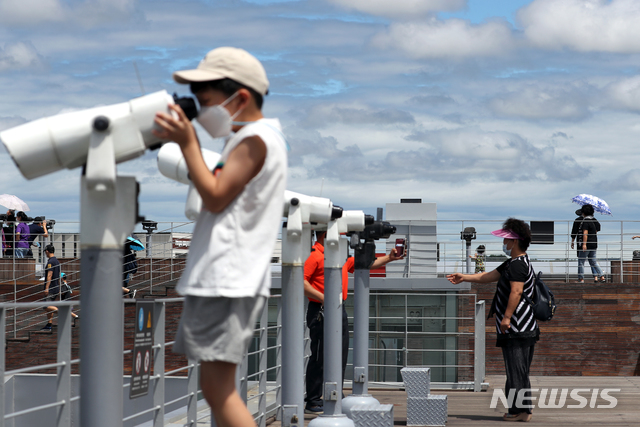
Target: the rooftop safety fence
(173, 394)
(445, 331)
(618, 254)
(437, 329)
(432, 253)
(160, 263)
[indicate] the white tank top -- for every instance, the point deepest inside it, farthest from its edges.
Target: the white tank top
(230, 252)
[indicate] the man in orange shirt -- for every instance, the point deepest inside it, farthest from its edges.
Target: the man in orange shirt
(314, 290)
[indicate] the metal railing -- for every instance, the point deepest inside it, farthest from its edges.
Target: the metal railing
(432, 329)
(557, 259)
(262, 395)
(24, 277)
(447, 254)
(254, 385)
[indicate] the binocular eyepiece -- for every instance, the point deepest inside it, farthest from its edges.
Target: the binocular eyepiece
(336, 212)
(468, 234)
(188, 105)
(376, 230)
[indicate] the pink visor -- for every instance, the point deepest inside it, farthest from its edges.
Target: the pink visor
(507, 234)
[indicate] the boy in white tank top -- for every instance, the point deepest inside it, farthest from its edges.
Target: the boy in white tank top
(227, 278)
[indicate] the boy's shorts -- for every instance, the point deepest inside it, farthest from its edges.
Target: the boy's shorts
(217, 328)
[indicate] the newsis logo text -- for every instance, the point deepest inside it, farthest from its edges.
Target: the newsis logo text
(556, 398)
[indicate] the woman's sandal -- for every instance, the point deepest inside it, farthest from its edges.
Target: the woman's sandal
(603, 279)
(595, 279)
(522, 416)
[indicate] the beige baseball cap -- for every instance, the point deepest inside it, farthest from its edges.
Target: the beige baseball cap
(228, 62)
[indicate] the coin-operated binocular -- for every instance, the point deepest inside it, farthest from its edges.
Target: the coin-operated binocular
(302, 213)
(363, 242)
(350, 223)
(53, 143)
(334, 256)
(468, 234)
(97, 139)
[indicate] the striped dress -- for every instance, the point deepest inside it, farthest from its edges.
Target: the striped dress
(523, 323)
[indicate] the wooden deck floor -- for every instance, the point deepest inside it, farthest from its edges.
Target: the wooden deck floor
(473, 409)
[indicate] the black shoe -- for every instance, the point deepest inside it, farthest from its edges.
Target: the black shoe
(314, 410)
(47, 327)
(132, 294)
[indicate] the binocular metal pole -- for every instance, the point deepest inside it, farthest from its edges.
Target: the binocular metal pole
(332, 393)
(108, 213)
(104, 226)
(468, 256)
(360, 394)
(293, 326)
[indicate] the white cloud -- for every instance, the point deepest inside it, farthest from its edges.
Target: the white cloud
(625, 94)
(91, 13)
(88, 13)
(323, 115)
(446, 156)
(355, 134)
(19, 55)
(30, 12)
(583, 25)
(401, 8)
(452, 38)
(629, 181)
(534, 102)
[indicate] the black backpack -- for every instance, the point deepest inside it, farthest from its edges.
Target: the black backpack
(544, 303)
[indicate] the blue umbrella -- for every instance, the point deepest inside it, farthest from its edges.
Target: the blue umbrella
(598, 204)
(134, 244)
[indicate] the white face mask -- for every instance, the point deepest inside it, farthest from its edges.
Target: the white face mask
(216, 120)
(505, 250)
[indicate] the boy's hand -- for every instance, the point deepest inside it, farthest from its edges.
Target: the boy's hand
(178, 130)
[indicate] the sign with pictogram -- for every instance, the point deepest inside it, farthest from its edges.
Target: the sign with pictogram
(142, 350)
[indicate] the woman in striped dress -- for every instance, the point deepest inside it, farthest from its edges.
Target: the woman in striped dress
(516, 328)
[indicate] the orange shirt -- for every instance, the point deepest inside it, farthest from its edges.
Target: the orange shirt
(314, 270)
(348, 267)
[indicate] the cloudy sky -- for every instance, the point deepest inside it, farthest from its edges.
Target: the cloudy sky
(488, 108)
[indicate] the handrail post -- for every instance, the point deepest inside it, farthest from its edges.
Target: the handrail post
(568, 252)
(279, 360)
(479, 347)
(158, 362)
(262, 389)
(621, 252)
(3, 314)
(150, 254)
(63, 391)
(15, 299)
(192, 389)
(241, 378)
